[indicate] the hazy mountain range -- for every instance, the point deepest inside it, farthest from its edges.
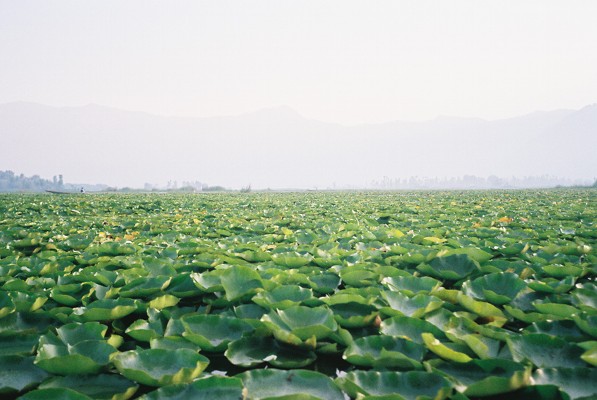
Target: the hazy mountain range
(279, 148)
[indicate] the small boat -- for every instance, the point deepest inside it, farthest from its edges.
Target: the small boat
(61, 192)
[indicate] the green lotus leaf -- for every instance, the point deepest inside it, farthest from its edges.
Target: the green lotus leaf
(283, 297)
(240, 281)
(558, 309)
(587, 323)
(78, 241)
(252, 351)
(164, 301)
(144, 331)
(105, 310)
(324, 283)
(416, 306)
(480, 308)
(482, 378)
(272, 384)
(481, 339)
(255, 256)
(551, 285)
(6, 304)
(100, 387)
(301, 323)
(75, 349)
(469, 326)
(385, 351)
(209, 388)
(563, 271)
(26, 302)
(453, 267)
(585, 299)
(18, 373)
(75, 333)
(354, 315)
(564, 329)
(529, 317)
(359, 276)
(112, 249)
(327, 260)
(182, 286)
(496, 288)
(159, 367)
(352, 295)
(249, 312)
(291, 259)
(578, 383)
(409, 328)
(545, 351)
(145, 286)
(86, 357)
(442, 350)
(208, 282)
(410, 385)
(172, 343)
(23, 344)
(590, 355)
(54, 393)
(473, 253)
(213, 332)
(411, 285)
(19, 323)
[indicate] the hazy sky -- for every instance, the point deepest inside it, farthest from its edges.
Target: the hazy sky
(342, 61)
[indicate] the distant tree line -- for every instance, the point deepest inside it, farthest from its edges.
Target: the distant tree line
(11, 182)
(476, 182)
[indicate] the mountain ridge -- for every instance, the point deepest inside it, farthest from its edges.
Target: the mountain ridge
(279, 147)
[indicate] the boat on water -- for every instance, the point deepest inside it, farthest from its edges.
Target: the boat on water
(82, 191)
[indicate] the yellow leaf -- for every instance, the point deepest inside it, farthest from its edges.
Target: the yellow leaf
(395, 233)
(434, 239)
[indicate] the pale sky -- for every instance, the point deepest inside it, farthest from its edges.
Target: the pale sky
(343, 61)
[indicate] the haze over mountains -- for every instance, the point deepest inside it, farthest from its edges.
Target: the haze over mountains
(279, 148)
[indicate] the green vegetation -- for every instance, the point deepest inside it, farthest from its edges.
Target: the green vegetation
(407, 295)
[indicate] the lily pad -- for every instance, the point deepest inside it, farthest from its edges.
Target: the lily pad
(497, 288)
(409, 328)
(239, 281)
(209, 388)
(545, 351)
(291, 259)
(578, 383)
(297, 384)
(18, 373)
(54, 393)
(100, 387)
(484, 377)
(587, 323)
(6, 304)
(453, 267)
(105, 310)
(385, 351)
(283, 296)
(297, 324)
(416, 306)
(213, 332)
(75, 349)
(412, 285)
(410, 385)
(444, 351)
(252, 351)
(159, 367)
